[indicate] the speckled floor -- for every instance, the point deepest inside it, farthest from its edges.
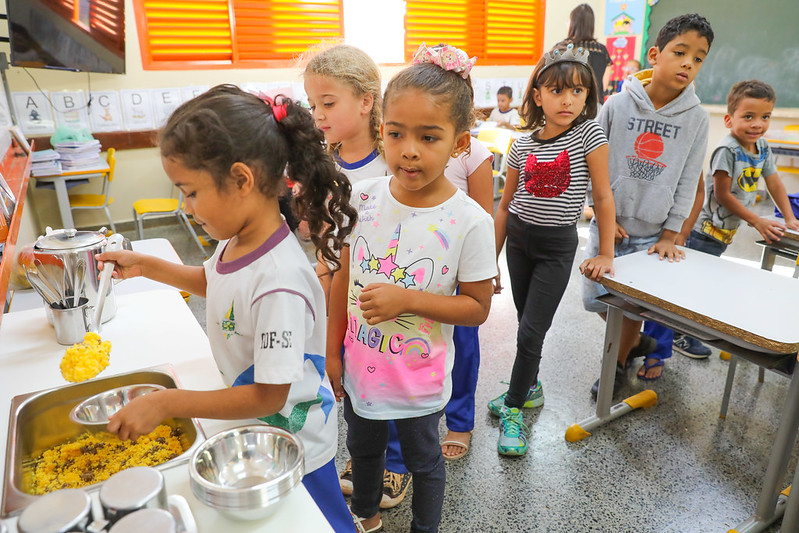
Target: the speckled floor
(676, 467)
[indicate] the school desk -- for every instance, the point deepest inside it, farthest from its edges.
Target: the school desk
(59, 181)
(756, 321)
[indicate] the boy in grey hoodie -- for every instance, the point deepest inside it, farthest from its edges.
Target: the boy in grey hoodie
(657, 133)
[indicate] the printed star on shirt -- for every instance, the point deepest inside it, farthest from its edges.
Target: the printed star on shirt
(409, 280)
(374, 264)
(398, 274)
(452, 221)
(387, 265)
(365, 265)
(431, 228)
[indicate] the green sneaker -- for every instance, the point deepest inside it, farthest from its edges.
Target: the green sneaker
(535, 398)
(512, 432)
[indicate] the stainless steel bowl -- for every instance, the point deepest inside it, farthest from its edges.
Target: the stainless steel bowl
(97, 409)
(245, 472)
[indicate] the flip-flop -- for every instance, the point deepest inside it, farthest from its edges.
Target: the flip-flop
(360, 527)
(646, 346)
(647, 366)
(462, 445)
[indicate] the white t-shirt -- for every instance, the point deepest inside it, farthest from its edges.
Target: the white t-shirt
(402, 368)
(511, 116)
(460, 168)
(371, 166)
(266, 323)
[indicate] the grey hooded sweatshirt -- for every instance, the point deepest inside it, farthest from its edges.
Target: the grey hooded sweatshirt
(656, 157)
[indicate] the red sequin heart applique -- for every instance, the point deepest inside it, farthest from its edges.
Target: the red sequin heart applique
(547, 179)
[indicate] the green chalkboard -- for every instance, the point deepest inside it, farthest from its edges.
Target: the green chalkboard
(754, 39)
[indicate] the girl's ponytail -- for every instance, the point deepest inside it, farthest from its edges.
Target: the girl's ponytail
(323, 199)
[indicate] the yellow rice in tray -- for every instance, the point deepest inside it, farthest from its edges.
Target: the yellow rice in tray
(92, 458)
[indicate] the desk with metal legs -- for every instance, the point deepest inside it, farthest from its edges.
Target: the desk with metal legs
(59, 182)
(745, 311)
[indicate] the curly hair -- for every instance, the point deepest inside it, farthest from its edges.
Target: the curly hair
(226, 125)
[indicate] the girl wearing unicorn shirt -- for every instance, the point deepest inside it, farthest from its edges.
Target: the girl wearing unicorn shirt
(393, 303)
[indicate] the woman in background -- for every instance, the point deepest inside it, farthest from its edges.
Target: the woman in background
(581, 34)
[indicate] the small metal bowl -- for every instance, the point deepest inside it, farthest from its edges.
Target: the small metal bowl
(245, 472)
(97, 409)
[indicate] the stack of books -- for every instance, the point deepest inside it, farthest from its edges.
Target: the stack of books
(76, 155)
(45, 163)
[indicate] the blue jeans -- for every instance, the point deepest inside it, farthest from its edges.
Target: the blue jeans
(366, 442)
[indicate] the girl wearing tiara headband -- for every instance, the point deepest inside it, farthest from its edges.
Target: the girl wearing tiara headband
(549, 170)
(226, 150)
(393, 304)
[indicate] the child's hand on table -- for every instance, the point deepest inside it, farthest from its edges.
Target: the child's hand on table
(142, 415)
(771, 230)
(382, 301)
(595, 267)
(666, 249)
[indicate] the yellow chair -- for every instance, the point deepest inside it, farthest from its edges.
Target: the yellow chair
(102, 200)
(158, 207)
(498, 142)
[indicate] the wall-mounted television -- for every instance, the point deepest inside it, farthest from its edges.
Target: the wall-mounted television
(77, 35)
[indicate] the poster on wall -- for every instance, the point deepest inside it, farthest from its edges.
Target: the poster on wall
(624, 17)
(137, 108)
(33, 111)
(69, 109)
(622, 51)
(164, 102)
(105, 112)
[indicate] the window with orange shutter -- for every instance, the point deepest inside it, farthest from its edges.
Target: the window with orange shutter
(498, 32)
(184, 34)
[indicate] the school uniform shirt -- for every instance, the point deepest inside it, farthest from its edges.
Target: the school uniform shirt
(655, 158)
(371, 166)
(553, 174)
(460, 168)
(266, 323)
(745, 169)
(401, 368)
(511, 116)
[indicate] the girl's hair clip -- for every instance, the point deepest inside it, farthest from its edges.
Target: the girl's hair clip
(278, 110)
(445, 56)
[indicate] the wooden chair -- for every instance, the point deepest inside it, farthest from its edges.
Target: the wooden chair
(498, 142)
(102, 200)
(159, 207)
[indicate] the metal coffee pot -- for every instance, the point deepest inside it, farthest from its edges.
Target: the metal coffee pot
(65, 270)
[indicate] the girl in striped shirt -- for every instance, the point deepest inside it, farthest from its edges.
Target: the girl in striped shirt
(549, 169)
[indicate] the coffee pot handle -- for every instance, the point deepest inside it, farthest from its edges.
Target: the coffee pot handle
(114, 244)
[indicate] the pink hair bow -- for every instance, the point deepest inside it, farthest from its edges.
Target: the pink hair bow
(447, 57)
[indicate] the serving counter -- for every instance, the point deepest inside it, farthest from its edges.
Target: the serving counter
(150, 328)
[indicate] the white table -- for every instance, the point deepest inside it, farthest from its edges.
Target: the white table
(59, 181)
(703, 296)
(150, 328)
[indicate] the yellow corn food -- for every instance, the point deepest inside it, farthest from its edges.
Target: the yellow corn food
(93, 458)
(86, 359)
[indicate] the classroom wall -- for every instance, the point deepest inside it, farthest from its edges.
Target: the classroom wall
(139, 173)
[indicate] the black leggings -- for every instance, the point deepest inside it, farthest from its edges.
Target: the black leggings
(540, 260)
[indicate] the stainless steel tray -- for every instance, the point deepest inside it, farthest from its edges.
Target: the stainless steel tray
(40, 420)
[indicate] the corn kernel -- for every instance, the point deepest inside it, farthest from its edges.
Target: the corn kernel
(86, 359)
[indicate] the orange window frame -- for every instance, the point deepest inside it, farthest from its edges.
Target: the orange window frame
(498, 32)
(209, 34)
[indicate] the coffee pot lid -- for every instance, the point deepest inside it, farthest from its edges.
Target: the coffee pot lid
(68, 239)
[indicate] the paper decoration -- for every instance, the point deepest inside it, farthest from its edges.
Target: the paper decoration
(137, 108)
(105, 111)
(33, 112)
(69, 109)
(187, 93)
(624, 17)
(621, 50)
(165, 101)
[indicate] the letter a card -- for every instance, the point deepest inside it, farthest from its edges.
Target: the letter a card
(33, 113)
